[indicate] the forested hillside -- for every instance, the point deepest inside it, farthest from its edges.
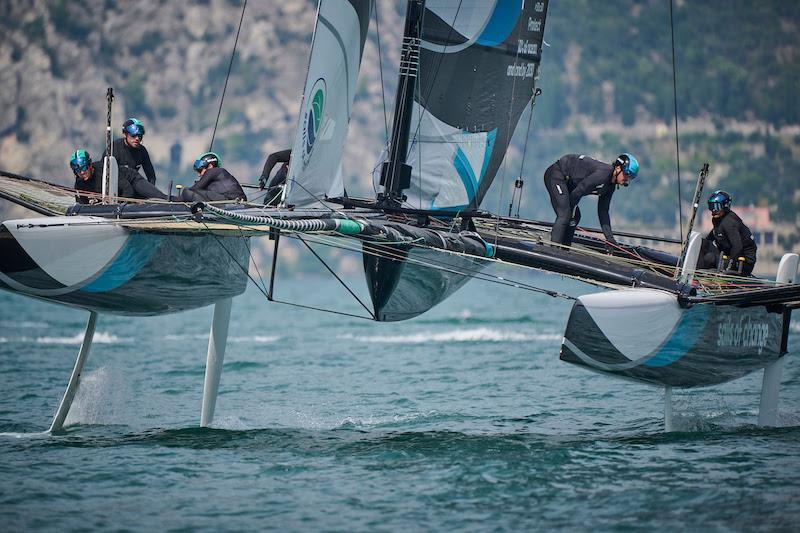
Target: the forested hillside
(606, 77)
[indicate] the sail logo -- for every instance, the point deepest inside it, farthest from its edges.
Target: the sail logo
(524, 70)
(747, 334)
(534, 25)
(312, 118)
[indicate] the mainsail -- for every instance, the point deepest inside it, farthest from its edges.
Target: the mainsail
(477, 66)
(339, 36)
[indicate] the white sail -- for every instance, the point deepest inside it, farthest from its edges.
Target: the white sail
(339, 35)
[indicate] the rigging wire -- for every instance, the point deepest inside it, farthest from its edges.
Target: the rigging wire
(509, 134)
(227, 76)
(380, 69)
(310, 249)
(415, 138)
(263, 291)
(675, 108)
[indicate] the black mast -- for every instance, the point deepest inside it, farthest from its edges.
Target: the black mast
(395, 173)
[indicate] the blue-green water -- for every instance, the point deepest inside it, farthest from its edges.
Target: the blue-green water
(463, 419)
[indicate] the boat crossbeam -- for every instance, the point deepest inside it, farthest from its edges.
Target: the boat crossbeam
(217, 340)
(771, 384)
(74, 379)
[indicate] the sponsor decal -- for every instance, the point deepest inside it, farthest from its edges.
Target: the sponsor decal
(312, 117)
(746, 333)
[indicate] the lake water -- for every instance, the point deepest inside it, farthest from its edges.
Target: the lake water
(462, 419)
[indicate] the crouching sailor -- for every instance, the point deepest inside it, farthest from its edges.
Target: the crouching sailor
(88, 177)
(574, 176)
(213, 182)
(730, 237)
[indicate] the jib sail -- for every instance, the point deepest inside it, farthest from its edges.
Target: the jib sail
(339, 35)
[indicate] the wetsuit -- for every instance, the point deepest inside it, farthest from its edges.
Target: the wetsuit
(94, 184)
(131, 183)
(733, 238)
(568, 180)
(274, 185)
(215, 184)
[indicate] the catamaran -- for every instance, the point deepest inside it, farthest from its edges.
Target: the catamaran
(468, 71)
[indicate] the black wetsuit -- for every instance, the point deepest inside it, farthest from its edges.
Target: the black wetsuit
(733, 238)
(131, 183)
(215, 184)
(568, 180)
(94, 184)
(274, 185)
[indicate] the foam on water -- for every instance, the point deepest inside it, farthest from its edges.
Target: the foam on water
(460, 335)
(256, 339)
(23, 324)
(100, 337)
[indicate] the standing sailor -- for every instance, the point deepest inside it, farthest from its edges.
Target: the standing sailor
(574, 176)
(213, 182)
(131, 156)
(730, 236)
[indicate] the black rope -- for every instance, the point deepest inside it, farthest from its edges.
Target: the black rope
(335, 275)
(228, 75)
(380, 68)
(675, 106)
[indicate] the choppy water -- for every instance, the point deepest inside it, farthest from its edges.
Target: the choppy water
(462, 419)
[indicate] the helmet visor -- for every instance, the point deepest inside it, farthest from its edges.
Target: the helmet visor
(715, 207)
(199, 165)
(135, 130)
(80, 164)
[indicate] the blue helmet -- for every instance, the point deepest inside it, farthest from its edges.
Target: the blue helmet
(206, 159)
(133, 127)
(719, 201)
(629, 165)
(80, 161)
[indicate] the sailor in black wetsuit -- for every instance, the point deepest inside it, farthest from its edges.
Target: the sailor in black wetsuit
(131, 156)
(574, 176)
(730, 236)
(88, 177)
(275, 185)
(214, 183)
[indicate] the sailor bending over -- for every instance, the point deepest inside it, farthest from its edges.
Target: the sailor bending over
(275, 185)
(574, 176)
(730, 237)
(213, 182)
(131, 156)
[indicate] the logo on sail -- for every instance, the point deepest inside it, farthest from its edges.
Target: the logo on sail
(312, 119)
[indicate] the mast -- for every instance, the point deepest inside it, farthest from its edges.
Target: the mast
(698, 191)
(395, 173)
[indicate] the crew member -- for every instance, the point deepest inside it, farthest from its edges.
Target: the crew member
(88, 178)
(574, 176)
(275, 185)
(730, 236)
(132, 156)
(213, 182)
